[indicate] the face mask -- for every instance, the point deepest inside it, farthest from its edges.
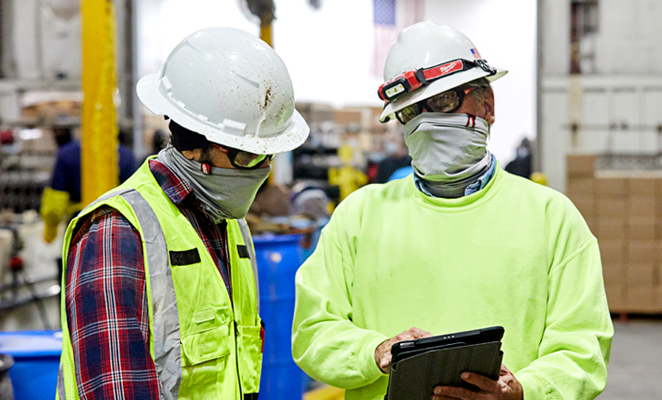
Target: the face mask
(224, 193)
(448, 148)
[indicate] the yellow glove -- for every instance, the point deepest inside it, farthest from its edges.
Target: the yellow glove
(54, 204)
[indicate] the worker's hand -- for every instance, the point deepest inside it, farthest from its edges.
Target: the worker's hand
(50, 232)
(383, 351)
(506, 388)
(54, 204)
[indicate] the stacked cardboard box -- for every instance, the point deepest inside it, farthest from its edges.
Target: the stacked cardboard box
(624, 211)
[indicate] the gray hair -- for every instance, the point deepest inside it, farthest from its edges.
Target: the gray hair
(481, 88)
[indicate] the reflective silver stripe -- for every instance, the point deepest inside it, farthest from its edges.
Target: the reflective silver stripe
(62, 394)
(106, 197)
(167, 350)
(246, 233)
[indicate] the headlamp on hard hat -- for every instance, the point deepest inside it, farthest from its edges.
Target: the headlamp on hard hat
(414, 79)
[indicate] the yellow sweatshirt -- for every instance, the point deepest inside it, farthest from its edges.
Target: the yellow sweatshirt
(515, 254)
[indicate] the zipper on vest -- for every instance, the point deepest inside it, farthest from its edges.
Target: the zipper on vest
(236, 352)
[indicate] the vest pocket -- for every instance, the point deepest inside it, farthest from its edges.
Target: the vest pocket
(250, 357)
(208, 337)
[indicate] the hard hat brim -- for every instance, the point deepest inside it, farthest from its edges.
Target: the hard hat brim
(293, 135)
(436, 87)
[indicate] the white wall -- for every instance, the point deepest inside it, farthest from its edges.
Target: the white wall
(617, 108)
(629, 35)
(328, 52)
(504, 32)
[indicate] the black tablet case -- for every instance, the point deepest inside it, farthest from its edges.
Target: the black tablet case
(414, 378)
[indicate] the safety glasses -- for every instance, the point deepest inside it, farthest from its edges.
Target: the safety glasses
(446, 102)
(414, 79)
(243, 159)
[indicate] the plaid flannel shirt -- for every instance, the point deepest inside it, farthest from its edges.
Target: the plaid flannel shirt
(106, 296)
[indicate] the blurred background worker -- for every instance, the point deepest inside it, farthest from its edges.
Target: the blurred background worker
(397, 163)
(161, 293)
(63, 197)
(521, 165)
(459, 245)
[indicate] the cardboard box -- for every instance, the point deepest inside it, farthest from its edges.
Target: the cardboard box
(610, 207)
(580, 164)
(611, 229)
(641, 298)
(642, 206)
(645, 185)
(615, 298)
(580, 186)
(316, 112)
(592, 223)
(585, 204)
(376, 126)
(640, 228)
(612, 273)
(612, 251)
(348, 117)
(641, 275)
(611, 186)
(642, 251)
(657, 294)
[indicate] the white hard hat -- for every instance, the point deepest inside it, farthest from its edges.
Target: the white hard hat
(231, 87)
(427, 44)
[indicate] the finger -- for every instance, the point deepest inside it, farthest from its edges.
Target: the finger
(386, 361)
(453, 392)
(406, 335)
(484, 383)
(435, 397)
(418, 333)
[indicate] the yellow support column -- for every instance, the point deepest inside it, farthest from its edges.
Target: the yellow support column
(265, 32)
(99, 121)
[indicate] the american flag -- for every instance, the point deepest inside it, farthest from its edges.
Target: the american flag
(389, 18)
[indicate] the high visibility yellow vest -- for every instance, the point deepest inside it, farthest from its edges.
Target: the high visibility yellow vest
(204, 346)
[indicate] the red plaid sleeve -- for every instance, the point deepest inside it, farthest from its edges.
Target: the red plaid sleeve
(107, 310)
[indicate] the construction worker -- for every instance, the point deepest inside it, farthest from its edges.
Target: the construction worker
(460, 245)
(63, 197)
(160, 297)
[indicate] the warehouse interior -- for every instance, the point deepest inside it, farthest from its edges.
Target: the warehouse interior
(578, 112)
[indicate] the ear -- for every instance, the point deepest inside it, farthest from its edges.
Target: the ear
(192, 154)
(488, 107)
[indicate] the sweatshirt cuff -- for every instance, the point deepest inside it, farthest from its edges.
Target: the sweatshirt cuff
(365, 362)
(532, 386)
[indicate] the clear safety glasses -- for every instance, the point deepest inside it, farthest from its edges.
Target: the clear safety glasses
(243, 159)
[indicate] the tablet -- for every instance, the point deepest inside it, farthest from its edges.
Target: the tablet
(418, 366)
(408, 348)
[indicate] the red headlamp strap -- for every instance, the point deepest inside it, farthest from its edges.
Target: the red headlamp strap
(438, 71)
(414, 79)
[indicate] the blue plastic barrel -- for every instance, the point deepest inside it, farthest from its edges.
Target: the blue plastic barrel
(36, 362)
(278, 258)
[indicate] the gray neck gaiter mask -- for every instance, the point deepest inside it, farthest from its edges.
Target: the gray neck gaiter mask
(224, 193)
(448, 151)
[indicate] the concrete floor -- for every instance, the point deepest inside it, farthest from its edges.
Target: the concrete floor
(635, 369)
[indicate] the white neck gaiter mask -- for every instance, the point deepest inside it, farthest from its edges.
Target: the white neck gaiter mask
(448, 149)
(224, 193)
